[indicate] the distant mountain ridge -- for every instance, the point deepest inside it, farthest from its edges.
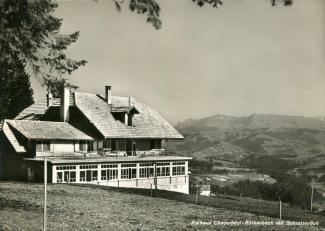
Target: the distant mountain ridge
(231, 138)
(254, 121)
(268, 144)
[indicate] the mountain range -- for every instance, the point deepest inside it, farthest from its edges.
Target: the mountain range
(229, 141)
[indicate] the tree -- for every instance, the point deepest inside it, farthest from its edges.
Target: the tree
(15, 90)
(29, 35)
(151, 8)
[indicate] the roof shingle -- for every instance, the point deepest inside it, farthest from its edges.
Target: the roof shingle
(47, 130)
(147, 124)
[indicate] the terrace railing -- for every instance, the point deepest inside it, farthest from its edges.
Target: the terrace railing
(111, 154)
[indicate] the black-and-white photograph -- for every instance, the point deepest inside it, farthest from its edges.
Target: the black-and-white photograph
(162, 115)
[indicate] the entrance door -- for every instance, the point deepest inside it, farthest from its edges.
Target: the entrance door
(59, 177)
(66, 176)
(128, 147)
(134, 148)
(30, 174)
(88, 175)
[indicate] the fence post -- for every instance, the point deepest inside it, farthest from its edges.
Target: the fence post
(280, 207)
(196, 197)
(312, 194)
(45, 191)
(151, 190)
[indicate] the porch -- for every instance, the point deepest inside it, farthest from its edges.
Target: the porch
(160, 172)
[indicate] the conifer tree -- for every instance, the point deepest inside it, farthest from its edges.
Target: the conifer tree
(15, 90)
(30, 34)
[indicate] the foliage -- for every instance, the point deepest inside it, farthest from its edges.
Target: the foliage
(151, 8)
(293, 190)
(274, 165)
(30, 35)
(15, 89)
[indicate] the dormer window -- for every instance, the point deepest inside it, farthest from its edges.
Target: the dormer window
(124, 114)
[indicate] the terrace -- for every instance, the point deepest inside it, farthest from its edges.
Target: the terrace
(105, 155)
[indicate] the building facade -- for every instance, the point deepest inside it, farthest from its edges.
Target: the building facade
(93, 139)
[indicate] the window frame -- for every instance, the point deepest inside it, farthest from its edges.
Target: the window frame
(179, 168)
(110, 172)
(39, 145)
(129, 171)
(146, 170)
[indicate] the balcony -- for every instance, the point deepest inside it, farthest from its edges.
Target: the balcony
(106, 153)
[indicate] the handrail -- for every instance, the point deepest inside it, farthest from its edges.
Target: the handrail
(110, 154)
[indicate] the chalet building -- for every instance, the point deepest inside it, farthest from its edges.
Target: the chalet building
(89, 138)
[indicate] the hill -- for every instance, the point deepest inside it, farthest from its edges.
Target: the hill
(255, 121)
(228, 141)
(73, 207)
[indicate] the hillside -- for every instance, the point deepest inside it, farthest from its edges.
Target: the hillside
(230, 141)
(94, 208)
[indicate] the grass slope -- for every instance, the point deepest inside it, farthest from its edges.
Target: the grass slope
(94, 208)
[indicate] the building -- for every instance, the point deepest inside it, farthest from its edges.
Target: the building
(89, 138)
(205, 190)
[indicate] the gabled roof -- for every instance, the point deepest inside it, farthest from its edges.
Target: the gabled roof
(37, 109)
(47, 130)
(147, 124)
(33, 111)
(12, 138)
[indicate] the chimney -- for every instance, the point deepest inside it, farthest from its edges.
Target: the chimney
(130, 101)
(49, 98)
(108, 95)
(64, 104)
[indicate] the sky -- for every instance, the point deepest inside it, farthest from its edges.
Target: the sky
(242, 58)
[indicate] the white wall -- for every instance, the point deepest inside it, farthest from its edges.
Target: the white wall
(170, 183)
(59, 147)
(63, 147)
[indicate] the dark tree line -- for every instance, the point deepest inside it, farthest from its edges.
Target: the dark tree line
(295, 191)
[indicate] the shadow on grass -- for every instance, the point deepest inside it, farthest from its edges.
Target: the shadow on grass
(18, 205)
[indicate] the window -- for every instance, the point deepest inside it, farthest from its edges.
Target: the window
(128, 171)
(178, 168)
(152, 144)
(163, 169)
(94, 176)
(109, 171)
(113, 143)
(72, 176)
(120, 145)
(88, 166)
(90, 146)
(146, 170)
(158, 144)
(66, 173)
(39, 147)
(107, 143)
(65, 167)
(82, 145)
(59, 177)
(82, 176)
(46, 146)
(43, 146)
(89, 172)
